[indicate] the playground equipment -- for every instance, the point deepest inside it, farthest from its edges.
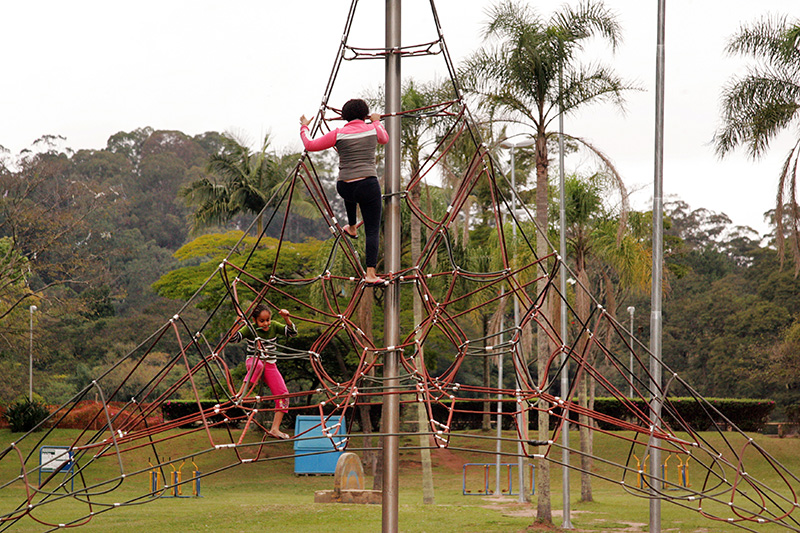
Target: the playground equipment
(318, 447)
(445, 281)
(682, 468)
(176, 489)
(683, 473)
(508, 468)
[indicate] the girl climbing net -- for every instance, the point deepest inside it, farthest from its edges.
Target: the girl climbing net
(358, 183)
(261, 361)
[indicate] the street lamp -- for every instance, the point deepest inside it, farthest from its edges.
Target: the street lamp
(509, 144)
(30, 354)
(631, 310)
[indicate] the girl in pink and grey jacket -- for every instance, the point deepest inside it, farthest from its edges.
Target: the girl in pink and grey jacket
(357, 184)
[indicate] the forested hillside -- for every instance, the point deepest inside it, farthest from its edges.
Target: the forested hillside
(85, 236)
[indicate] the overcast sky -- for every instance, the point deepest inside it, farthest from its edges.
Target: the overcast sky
(86, 69)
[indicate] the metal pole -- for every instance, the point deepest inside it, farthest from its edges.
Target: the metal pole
(499, 448)
(391, 400)
(30, 355)
(631, 310)
(562, 246)
(655, 297)
(521, 419)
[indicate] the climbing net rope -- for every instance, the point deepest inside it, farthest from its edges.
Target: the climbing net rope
(454, 287)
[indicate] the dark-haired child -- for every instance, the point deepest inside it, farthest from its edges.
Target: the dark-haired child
(357, 184)
(261, 361)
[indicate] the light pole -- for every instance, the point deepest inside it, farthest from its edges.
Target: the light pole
(656, 323)
(499, 446)
(30, 355)
(631, 310)
(508, 144)
(562, 286)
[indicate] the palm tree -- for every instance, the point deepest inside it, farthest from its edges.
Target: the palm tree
(602, 251)
(529, 74)
(416, 96)
(246, 182)
(762, 103)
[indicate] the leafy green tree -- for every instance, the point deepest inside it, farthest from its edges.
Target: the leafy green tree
(764, 102)
(129, 144)
(241, 181)
(604, 256)
(46, 226)
(201, 258)
(728, 307)
(159, 163)
(53, 251)
(519, 78)
(414, 133)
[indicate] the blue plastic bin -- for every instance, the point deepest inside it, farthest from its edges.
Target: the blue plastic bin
(314, 452)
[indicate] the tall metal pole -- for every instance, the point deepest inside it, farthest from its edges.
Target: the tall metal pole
(30, 355)
(520, 416)
(391, 400)
(498, 491)
(562, 246)
(655, 297)
(631, 310)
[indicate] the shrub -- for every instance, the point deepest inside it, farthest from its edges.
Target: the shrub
(792, 413)
(91, 415)
(24, 415)
(187, 412)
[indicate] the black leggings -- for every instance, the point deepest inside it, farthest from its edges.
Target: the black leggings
(365, 193)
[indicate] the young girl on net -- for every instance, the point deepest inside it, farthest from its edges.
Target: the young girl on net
(357, 184)
(261, 361)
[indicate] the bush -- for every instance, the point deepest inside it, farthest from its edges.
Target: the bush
(89, 414)
(187, 412)
(24, 415)
(792, 413)
(713, 413)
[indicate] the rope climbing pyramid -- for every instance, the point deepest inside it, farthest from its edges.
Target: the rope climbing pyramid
(453, 286)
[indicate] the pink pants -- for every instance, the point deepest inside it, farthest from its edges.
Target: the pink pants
(257, 368)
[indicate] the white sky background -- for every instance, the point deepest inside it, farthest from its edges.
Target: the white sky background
(86, 69)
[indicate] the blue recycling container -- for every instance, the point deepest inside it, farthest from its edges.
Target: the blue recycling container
(315, 454)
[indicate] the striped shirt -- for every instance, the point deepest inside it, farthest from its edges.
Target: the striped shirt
(261, 343)
(356, 142)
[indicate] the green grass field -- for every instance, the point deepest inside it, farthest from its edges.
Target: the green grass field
(267, 496)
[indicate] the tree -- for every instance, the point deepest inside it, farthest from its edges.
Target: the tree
(246, 182)
(47, 216)
(729, 306)
(413, 133)
(246, 179)
(602, 254)
(531, 73)
(764, 102)
(129, 144)
(52, 252)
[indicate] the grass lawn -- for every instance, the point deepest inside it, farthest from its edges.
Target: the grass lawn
(267, 496)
